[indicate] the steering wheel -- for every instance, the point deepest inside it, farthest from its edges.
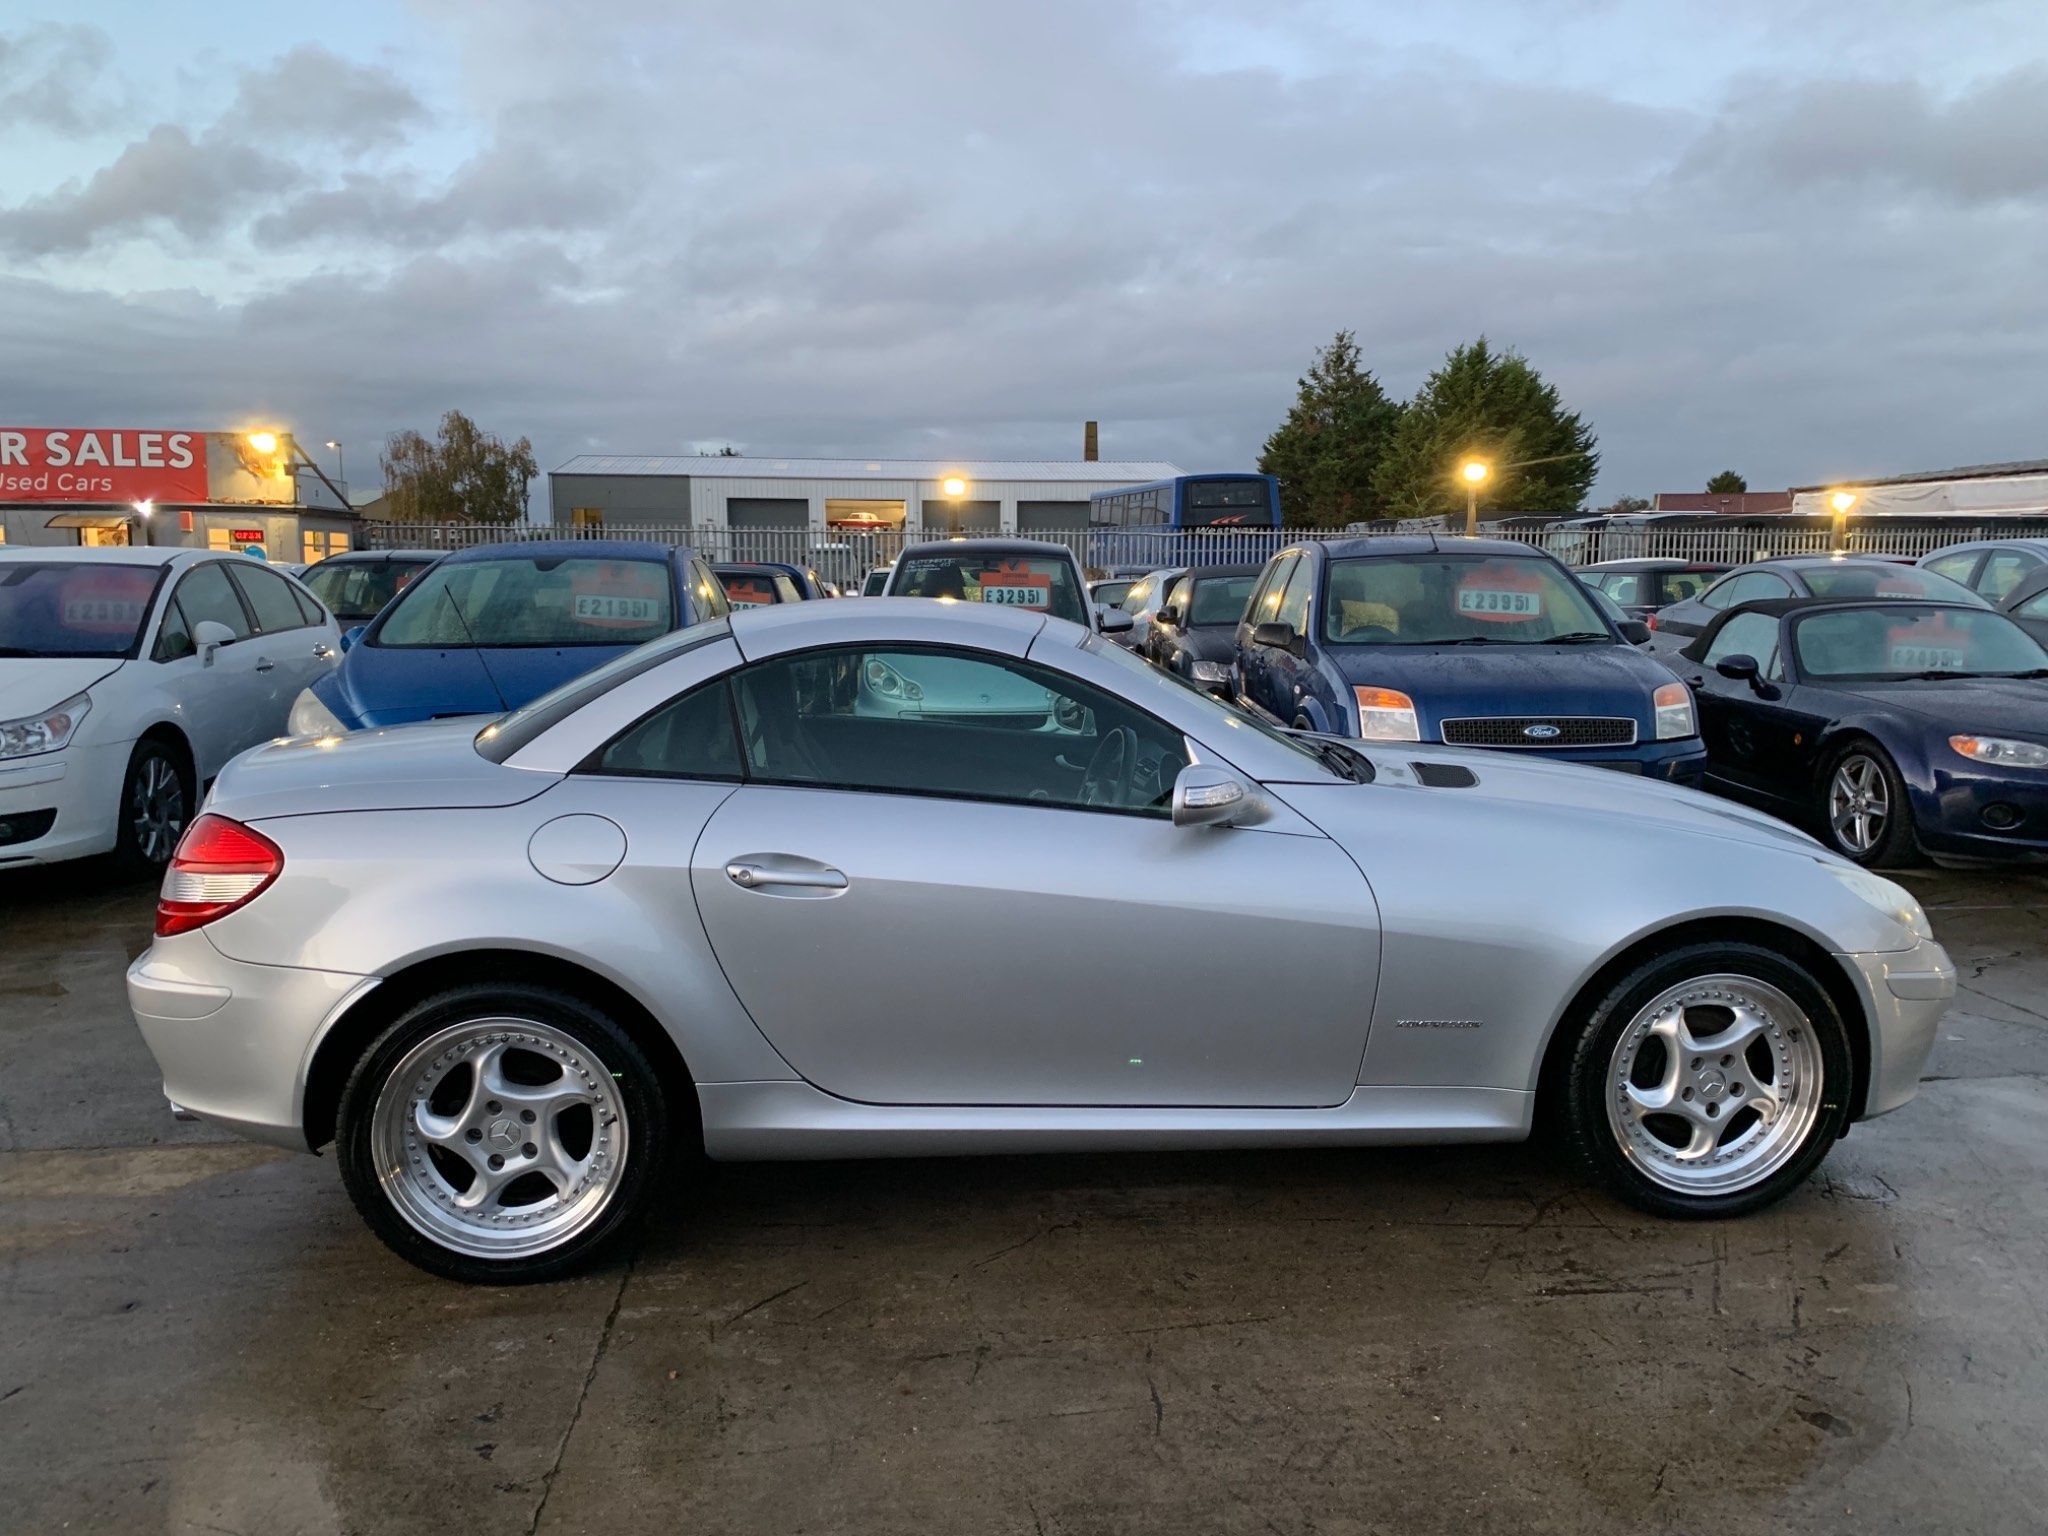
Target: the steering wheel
(1108, 777)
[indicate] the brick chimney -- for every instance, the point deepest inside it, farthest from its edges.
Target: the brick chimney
(1089, 453)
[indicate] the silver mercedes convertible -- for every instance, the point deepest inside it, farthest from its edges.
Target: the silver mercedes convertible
(750, 892)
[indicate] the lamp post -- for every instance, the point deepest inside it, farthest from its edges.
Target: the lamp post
(144, 509)
(1839, 503)
(1474, 473)
(340, 468)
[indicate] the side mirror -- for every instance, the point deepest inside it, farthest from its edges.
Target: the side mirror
(349, 637)
(1113, 621)
(1211, 797)
(208, 636)
(1280, 636)
(1634, 631)
(1743, 669)
(1169, 616)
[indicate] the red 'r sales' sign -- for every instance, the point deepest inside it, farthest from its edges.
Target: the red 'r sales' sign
(101, 464)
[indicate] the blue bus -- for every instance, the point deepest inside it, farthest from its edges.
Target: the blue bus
(1188, 520)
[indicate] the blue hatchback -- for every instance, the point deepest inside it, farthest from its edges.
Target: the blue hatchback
(1469, 642)
(489, 629)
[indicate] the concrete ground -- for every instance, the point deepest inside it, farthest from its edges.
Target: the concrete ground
(197, 1335)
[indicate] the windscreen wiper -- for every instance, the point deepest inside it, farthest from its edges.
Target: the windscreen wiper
(1469, 640)
(1580, 637)
(1342, 759)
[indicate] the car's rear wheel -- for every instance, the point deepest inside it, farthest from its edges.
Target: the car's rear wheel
(1708, 1082)
(1865, 809)
(156, 803)
(502, 1133)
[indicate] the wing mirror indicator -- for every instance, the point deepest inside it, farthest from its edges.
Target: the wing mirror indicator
(1210, 797)
(1386, 714)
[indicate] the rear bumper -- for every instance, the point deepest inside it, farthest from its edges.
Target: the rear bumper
(1904, 996)
(233, 1040)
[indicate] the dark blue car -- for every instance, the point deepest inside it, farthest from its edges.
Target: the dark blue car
(1892, 728)
(489, 629)
(1469, 642)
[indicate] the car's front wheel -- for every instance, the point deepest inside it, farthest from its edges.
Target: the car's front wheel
(1708, 1082)
(156, 802)
(502, 1133)
(1864, 804)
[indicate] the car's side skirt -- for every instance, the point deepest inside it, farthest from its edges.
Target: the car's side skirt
(748, 1121)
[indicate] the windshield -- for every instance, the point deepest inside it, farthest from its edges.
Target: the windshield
(877, 582)
(533, 600)
(1904, 640)
(1881, 578)
(73, 607)
(1044, 583)
(1144, 680)
(359, 589)
(1220, 599)
(1451, 599)
(1225, 504)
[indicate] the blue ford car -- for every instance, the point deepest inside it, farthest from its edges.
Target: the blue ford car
(1468, 642)
(489, 629)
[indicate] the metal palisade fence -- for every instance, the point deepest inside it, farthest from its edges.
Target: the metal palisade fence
(844, 555)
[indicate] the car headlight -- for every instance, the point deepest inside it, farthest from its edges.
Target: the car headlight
(1211, 671)
(2001, 752)
(1887, 896)
(309, 717)
(1675, 717)
(46, 732)
(886, 681)
(1385, 714)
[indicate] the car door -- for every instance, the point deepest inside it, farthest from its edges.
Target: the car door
(1265, 602)
(1748, 732)
(294, 647)
(922, 910)
(222, 698)
(1289, 678)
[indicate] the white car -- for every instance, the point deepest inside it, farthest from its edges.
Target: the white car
(128, 678)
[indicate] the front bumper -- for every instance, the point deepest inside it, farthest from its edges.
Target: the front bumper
(69, 799)
(234, 1040)
(1904, 995)
(1683, 761)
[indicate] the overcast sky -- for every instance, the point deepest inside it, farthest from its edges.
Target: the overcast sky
(1802, 238)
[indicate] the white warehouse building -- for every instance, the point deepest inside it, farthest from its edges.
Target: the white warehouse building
(701, 494)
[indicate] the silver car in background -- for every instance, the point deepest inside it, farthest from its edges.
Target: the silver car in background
(511, 972)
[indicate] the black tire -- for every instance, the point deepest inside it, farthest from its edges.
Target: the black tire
(645, 1099)
(158, 801)
(1898, 847)
(1582, 1124)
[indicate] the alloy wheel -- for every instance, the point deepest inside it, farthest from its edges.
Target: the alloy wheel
(156, 809)
(500, 1138)
(1859, 803)
(1715, 1084)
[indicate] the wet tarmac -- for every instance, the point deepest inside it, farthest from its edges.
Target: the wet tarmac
(198, 1335)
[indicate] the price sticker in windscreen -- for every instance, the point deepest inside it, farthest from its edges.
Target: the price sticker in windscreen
(1927, 646)
(748, 590)
(94, 605)
(626, 595)
(1499, 594)
(1013, 584)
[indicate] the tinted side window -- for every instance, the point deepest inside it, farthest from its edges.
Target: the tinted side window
(1956, 567)
(955, 724)
(2002, 572)
(1272, 586)
(707, 593)
(205, 594)
(174, 635)
(1747, 634)
(1294, 604)
(1750, 587)
(271, 597)
(309, 610)
(690, 738)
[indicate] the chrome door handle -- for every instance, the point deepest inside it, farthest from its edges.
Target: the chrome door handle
(264, 663)
(322, 651)
(754, 876)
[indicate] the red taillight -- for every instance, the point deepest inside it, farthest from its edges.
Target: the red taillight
(1649, 621)
(219, 866)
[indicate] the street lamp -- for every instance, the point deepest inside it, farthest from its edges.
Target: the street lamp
(954, 487)
(264, 443)
(1474, 473)
(340, 467)
(144, 509)
(1839, 502)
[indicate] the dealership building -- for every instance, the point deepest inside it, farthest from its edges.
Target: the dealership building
(702, 493)
(254, 492)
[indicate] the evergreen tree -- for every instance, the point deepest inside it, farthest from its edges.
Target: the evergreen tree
(1328, 448)
(1489, 404)
(1727, 483)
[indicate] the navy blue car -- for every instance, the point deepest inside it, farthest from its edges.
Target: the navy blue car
(1469, 642)
(488, 629)
(1892, 728)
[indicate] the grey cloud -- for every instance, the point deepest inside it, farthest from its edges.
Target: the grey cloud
(197, 187)
(54, 76)
(1985, 144)
(312, 94)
